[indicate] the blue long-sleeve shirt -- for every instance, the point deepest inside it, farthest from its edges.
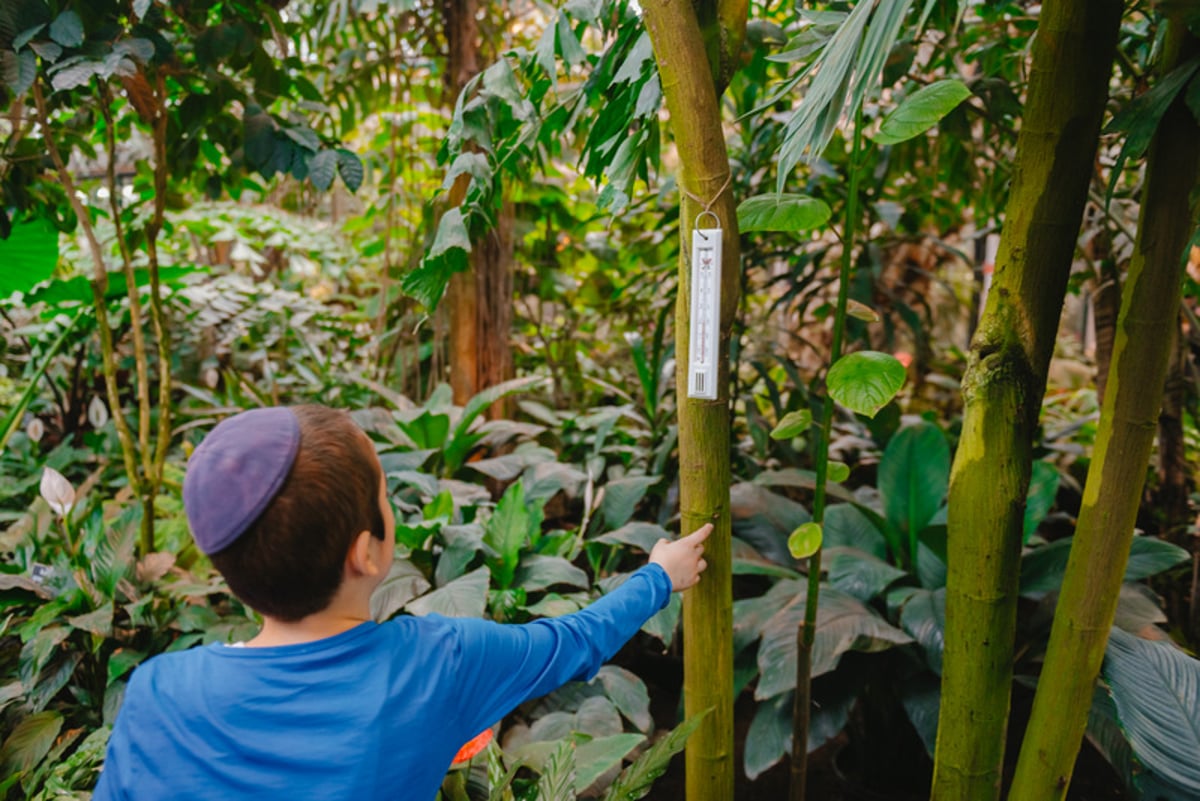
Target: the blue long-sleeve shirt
(376, 712)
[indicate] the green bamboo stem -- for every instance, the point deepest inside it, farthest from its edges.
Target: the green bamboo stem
(801, 709)
(704, 469)
(1004, 385)
(1087, 603)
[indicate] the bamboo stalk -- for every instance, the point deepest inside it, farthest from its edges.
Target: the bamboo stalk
(704, 468)
(1087, 603)
(1004, 384)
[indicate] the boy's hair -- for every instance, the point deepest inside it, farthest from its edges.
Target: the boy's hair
(289, 562)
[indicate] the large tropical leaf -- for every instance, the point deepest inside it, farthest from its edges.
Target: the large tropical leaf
(1042, 569)
(765, 519)
(29, 742)
(843, 624)
(860, 574)
(27, 256)
(1156, 688)
(622, 496)
(914, 475)
(924, 618)
(466, 596)
(508, 530)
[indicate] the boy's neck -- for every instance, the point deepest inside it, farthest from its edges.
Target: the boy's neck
(341, 615)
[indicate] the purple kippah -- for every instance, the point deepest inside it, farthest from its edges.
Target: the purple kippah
(236, 472)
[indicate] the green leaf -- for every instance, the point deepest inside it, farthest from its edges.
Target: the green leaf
(1139, 120)
(860, 574)
(507, 531)
(321, 169)
(67, 29)
(837, 472)
(27, 257)
(1042, 569)
(865, 381)
(805, 540)
(769, 738)
(595, 757)
(140, 7)
(846, 525)
(350, 167)
(622, 496)
(448, 255)
(121, 662)
(914, 475)
(921, 110)
(466, 596)
(404, 582)
(557, 779)
(924, 618)
(637, 779)
(843, 624)
(1156, 688)
(538, 572)
(629, 694)
(793, 424)
(1043, 489)
(636, 534)
(782, 212)
(922, 699)
(29, 742)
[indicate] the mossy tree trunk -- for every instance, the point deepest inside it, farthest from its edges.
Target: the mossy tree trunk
(1100, 550)
(1004, 385)
(691, 83)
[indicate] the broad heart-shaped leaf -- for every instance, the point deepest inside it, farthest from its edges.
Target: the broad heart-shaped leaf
(921, 696)
(924, 618)
(865, 381)
(914, 475)
(1043, 488)
(622, 496)
(792, 425)
(636, 780)
(782, 212)
(595, 757)
(1042, 569)
(508, 530)
(466, 596)
(843, 624)
(1156, 688)
(921, 110)
(29, 742)
(765, 519)
(27, 257)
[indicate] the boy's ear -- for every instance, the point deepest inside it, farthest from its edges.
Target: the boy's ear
(362, 559)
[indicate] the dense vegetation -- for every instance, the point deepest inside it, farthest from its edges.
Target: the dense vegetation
(951, 453)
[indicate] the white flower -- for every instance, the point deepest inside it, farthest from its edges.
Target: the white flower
(35, 429)
(57, 491)
(97, 412)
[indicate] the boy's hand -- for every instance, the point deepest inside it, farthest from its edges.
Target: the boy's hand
(683, 559)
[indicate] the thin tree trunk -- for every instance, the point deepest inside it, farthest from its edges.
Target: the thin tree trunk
(704, 469)
(1100, 550)
(479, 300)
(1004, 385)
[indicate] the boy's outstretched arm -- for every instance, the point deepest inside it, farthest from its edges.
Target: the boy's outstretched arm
(501, 666)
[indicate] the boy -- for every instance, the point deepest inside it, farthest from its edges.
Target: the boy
(291, 506)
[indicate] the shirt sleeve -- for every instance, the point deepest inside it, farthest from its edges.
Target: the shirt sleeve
(501, 666)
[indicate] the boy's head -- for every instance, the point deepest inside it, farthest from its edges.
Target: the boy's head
(276, 497)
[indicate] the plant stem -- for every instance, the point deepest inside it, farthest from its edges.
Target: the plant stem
(808, 628)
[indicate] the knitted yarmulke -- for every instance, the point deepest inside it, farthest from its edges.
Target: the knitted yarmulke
(236, 471)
